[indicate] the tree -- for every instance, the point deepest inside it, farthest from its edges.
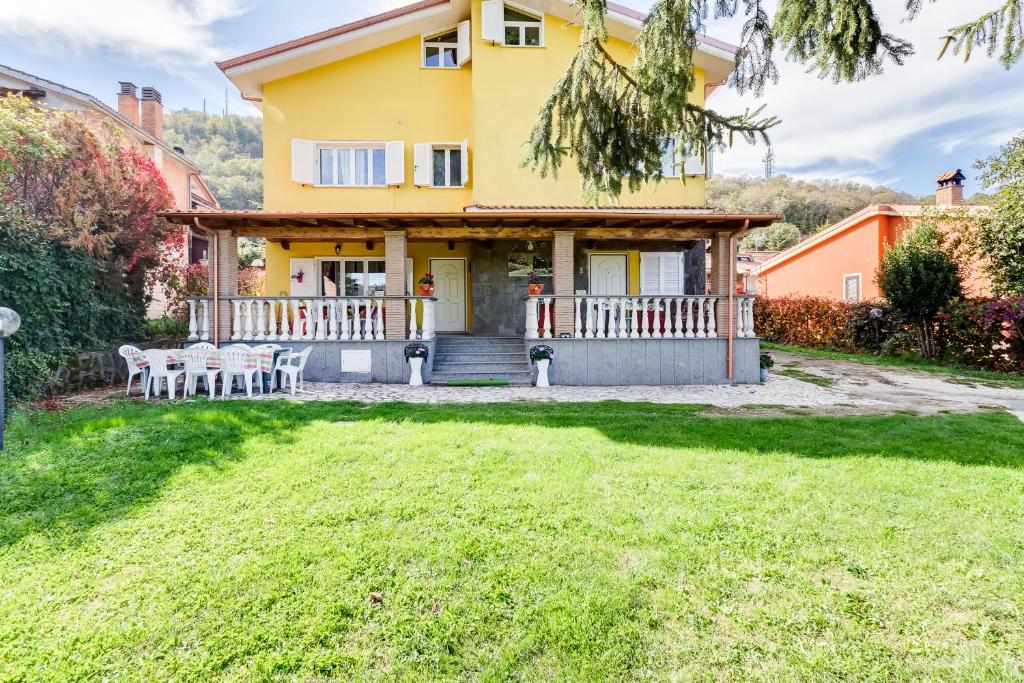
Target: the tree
(229, 149)
(919, 278)
(999, 236)
(79, 232)
(775, 237)
(614, 119)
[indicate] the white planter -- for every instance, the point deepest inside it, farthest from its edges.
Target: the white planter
(542, 372)
(416, 378)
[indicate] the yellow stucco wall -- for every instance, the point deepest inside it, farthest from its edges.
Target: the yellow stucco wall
(385, 95)
(509, 86)
(377, 96)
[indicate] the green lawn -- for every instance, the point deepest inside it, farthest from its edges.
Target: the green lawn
(278, 541)
(983, 377)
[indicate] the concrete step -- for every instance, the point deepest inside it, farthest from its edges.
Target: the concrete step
(481, 356)
(480, 342)
(525, 377)
(469, 366)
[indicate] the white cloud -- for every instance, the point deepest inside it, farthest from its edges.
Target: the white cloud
(160, 32)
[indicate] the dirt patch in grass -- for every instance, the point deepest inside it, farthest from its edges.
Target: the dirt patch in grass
(796, 373)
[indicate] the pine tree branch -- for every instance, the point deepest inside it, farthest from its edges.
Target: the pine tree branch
(1004, 25)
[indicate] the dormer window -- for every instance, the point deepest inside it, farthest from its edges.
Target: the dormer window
(441, 51)
(522, 28)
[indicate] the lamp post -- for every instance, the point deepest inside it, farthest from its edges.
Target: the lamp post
(9, 324)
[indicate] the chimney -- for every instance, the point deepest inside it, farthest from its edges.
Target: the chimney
(153, 112)
(951, 189)
(128, 102)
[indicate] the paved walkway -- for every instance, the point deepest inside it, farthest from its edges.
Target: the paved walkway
(807, 384)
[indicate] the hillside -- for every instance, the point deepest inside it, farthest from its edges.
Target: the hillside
(229, 149)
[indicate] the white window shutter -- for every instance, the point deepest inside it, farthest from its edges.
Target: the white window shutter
(650, 274)
(465, 41)
(395, 172)
(465, 163)
(308, 285)
(304, 161)
(422, 170)
(693, 166)
(492, 20)
(408, 277)
(671, 274)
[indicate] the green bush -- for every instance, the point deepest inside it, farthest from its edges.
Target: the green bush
(918, 278)
(64, 303)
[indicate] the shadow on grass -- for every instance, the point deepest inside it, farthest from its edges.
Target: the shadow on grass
(66, 472)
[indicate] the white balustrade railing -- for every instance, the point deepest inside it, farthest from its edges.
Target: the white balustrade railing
(198, 319)
(636, 317)
(311, 318)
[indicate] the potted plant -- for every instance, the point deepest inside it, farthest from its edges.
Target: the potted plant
(298, 276)
(427, 285)
(415, 354)
(542, 354)
(536, 287)
(767, 363)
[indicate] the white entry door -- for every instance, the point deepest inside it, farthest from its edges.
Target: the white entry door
(450, 291)
(608, 274)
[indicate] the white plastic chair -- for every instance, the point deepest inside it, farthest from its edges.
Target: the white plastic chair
(292, 365)
(233, 362)
(203, 345)
(160, 371)
(130, 353)
(196, 368)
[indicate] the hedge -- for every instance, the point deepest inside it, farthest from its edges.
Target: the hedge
(986, 334)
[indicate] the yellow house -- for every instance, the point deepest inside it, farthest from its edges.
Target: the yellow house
(392, 149)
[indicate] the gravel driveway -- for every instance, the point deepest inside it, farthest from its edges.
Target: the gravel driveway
(800, 384)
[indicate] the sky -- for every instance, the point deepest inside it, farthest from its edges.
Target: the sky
(899, 129)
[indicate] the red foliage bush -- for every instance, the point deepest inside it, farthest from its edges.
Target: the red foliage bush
(805, 321)
(985, 333)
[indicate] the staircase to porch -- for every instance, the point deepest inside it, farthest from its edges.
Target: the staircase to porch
(481, 359)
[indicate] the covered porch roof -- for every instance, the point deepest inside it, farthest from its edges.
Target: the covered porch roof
(643, 223)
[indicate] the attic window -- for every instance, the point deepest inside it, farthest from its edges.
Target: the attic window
(441, 51)
(523, 29)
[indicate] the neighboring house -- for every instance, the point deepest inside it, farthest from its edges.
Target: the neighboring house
(141, 123)
(747, 263)
(841, 261)
(392, 148)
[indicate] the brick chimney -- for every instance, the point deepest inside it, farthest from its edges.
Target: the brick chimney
(951, 189)
(128, 102)
(153, 112)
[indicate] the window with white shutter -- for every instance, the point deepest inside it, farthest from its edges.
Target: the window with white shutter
(662, 273)
(441, 164)
(304, 161)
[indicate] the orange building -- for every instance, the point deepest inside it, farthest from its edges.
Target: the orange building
(840, 262)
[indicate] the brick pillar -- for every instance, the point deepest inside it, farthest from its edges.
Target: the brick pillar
(722, 279)
(395, 277)
(227, 278)
(564, 281)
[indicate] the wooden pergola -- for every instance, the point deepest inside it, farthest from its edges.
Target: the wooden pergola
(597, 224)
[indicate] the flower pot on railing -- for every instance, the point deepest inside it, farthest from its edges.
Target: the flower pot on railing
(535, 286)
(426, 285)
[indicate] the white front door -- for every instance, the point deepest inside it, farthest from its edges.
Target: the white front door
(608, 274)
(450, 291)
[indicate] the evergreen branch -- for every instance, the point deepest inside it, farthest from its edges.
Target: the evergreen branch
(842, 39)
(1004, 25)
(754, 64)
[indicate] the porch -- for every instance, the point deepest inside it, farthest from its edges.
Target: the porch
(626, 297)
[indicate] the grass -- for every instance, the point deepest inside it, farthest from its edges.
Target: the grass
(796, 373)
(980, 377)
(280, 541)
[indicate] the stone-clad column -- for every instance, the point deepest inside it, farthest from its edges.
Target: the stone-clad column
(562, 260)
(395, 280)
(722, 280)
(227, 278)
